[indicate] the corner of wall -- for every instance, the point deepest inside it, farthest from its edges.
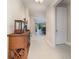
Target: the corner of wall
(49, 43)
(68, 43)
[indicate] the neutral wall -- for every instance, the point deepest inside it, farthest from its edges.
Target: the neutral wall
(40, 19)
(50, 23)
(15, 11)
(32, 26)
(50, 26)
(69, 23)
(27, 15)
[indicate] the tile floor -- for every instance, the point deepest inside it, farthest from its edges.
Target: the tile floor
(40, 50)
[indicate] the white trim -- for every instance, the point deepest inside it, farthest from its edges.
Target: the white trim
(49, 43)
(56, 3)
(68, 43)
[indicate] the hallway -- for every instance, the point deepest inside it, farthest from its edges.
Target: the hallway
(32, 12)
(40, 50)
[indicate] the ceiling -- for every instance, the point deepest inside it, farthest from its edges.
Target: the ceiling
(64, 3)
(37, 9)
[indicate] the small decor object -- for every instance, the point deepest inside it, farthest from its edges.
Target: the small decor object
(25, 24)
(25, 27)
(19, 25)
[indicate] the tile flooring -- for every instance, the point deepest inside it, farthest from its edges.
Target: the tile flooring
(40, 50)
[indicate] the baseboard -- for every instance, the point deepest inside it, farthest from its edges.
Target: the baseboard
(68, 43)
(49, 43)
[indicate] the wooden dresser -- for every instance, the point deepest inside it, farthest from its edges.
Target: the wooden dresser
(18, 45)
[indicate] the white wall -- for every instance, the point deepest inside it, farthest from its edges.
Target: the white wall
(40, 19)
(27, 15)
(69, 23)
(50, 26)
(32, 26)
(15, 11)
(50, 23)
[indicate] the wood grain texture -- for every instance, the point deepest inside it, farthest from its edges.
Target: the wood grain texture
(19, 42)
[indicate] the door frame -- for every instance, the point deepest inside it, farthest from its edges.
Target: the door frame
(55, 5)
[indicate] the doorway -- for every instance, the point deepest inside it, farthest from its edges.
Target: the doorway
(40, 26)
(61, 24)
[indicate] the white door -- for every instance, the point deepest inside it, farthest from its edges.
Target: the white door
(61, 25)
